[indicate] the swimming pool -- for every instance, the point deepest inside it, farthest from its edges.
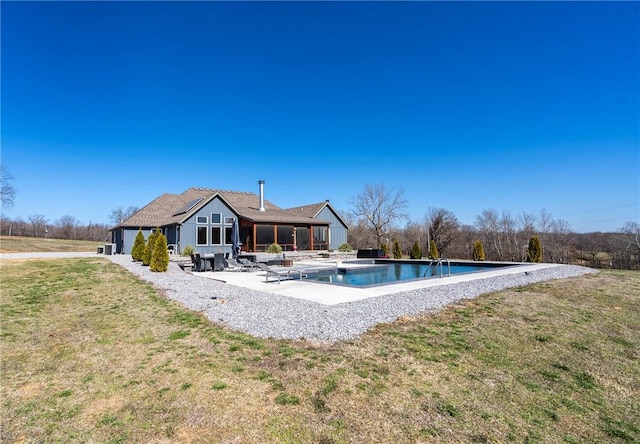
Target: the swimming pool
(379, 272)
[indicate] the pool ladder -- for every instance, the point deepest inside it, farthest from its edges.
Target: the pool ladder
(438, 262)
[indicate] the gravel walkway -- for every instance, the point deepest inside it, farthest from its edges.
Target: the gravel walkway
(269, 315)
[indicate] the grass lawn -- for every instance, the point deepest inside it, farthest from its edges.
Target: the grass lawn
(17, 244)
(92, 354)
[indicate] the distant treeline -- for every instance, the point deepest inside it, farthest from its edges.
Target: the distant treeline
(506, 238)
(67, 227)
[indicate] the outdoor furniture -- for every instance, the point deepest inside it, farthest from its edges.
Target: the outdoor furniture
(279, 274)
(235, 265)
(250, 265)
(214, 261)
(199, 262)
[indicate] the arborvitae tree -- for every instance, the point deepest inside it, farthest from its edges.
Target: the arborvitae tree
(433, 250)
(148, 248)
(138, 246)
(534, 251)
(397, 252)
(478, 251)
(160, 254)
(385, 249)
(416, 251)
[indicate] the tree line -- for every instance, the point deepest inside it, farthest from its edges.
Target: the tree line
(378, 212)
(66, 227)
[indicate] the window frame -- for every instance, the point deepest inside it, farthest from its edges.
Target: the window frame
(219, 229)
(206, 231)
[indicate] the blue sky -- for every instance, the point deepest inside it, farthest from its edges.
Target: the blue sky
(465, 106)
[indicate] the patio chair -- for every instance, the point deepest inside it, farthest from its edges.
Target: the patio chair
(279, 274)
(246, 263)
(235, 265)
(270, 272)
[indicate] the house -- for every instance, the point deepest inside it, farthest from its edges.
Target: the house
(203, 218)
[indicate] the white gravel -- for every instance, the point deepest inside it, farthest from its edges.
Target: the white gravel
(269, 315)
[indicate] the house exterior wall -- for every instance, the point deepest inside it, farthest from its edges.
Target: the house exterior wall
(337, 231)
(189, 229)
(125, 237)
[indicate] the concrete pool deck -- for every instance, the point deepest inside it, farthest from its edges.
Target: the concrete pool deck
(331, 294)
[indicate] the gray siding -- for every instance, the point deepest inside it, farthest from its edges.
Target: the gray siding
(129, 237)
(337, 231)
(189, 228)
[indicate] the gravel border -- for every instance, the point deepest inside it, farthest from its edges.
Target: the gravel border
(268, 315)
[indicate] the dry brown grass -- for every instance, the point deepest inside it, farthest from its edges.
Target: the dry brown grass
(17, 244)
(91, 354)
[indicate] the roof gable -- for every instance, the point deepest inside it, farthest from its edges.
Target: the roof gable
(171, 209)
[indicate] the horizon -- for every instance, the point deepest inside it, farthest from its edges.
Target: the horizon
(518, 107)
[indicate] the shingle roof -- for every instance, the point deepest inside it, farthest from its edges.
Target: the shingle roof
(312, 210)
(162, 210)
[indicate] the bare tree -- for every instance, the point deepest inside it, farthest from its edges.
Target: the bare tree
(7, 191)
(559, 241)
(119, 214)
(488, 225)
(66, 227)
(628, 251)
(443, 228)
(509, 232)
(380, 208)
(38, 224)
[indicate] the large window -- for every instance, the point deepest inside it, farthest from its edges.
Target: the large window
(227, 236)
(264, 237)
(201, 235)
(215, 236)
(285, 237)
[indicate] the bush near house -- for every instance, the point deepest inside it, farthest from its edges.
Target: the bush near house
(478, 251)
(148, 248)
(137, 250)
(345, 248)
(160, 255)
(274, 248)
(416, 251)
(188, 250)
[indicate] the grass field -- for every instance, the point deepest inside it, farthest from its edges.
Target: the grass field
(17, 244)
(92, 354)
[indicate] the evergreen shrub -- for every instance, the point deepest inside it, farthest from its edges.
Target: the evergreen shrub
(188, 250)
(148, 248)
(138, 246)
(385, 249)
(274, 248)
(534, 251)
(433, 250)
(160, 255)
(345, 248)
(397, 252)
(416, 251)
(478, 251)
